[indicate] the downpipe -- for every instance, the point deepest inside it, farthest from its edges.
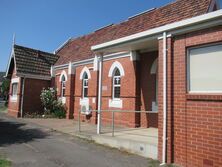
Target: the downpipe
(164, 99)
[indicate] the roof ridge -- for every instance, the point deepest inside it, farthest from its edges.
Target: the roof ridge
(33, 49)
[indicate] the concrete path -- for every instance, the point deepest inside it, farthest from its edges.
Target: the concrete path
(141, 141)
(30, 145)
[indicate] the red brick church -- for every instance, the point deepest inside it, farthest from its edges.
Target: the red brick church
(167, 61)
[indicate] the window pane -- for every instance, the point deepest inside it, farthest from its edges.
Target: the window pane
(63, 92)
(14, 89)
(116, 92)
(85, 82)
(204, 69)
(117, 80)
(117, 72)
(85, 92)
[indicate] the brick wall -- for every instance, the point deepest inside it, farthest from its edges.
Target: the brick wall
(194, 120)
(130, 94)
(148, 89)
(14, 106)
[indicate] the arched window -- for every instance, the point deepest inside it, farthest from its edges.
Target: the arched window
(63, 86)
(116, 84)
(85, 85)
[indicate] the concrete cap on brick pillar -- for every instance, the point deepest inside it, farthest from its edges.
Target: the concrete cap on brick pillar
(52, 71)
(71, 69)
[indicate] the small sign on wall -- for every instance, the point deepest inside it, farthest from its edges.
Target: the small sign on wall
(104, 88)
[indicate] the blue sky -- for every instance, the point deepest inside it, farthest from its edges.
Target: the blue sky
(46, 24)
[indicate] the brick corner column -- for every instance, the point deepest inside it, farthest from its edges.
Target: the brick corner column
(70, 92)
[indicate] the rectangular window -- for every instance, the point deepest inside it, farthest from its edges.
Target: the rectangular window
(204, 69)
(14, 89)
(63, 89)
(85, 88)
(116, 87)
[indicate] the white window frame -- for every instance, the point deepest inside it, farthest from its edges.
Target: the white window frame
(63, 87)
(14, 95)
(188, 71)
(85, 80)
(115, 86)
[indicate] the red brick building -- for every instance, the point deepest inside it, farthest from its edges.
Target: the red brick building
(29, 71)
(166, 61)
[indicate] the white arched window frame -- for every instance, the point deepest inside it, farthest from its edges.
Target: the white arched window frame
(116, 72)
(63, 78)
(85, 86)
(63, 86)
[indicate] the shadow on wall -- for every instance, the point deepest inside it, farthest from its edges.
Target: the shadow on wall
(15, 133)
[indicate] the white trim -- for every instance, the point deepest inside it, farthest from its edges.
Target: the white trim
(33, 76)
(116, 103)
(71, 69)
(84, 101)
(9, 61)
(52, 72)
(63, 74)
(62, 45)
(154, 67)
(62, 66)
(15, 80)
(158, 30)
(85, 69)
(92, 60)
(62, 99)
(134, 56)
(205, 92)
(13, 98)
(115, 65)
(116, 56)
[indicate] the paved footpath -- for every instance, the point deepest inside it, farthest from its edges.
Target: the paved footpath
(30, 145)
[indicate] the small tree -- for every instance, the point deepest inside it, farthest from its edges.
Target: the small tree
(48, 98)
(5, 88)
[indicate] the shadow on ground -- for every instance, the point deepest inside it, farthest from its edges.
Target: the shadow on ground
(12, 132)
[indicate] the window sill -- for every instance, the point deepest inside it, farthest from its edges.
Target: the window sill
(84, 101)
(116, 103)
(63, 100)
(13, 99)
(204, 97)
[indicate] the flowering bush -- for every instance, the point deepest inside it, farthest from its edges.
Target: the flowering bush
(50, 103)
(48, 98)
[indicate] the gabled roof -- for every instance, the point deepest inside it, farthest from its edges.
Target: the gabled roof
(80, 48)
(31, 62)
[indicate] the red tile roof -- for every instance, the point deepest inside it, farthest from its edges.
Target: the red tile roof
(80, 48)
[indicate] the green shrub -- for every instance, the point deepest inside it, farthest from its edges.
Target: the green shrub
(52, 106)
(59, 110)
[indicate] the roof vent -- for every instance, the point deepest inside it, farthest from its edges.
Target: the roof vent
(147, 11)
(103, 27)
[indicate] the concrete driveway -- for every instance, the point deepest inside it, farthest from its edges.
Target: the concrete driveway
(30, 145)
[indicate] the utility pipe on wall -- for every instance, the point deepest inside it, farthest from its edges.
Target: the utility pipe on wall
(100, 94)
(164, 98)
(22, 100)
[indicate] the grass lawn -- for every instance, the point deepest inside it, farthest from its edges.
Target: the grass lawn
(4, 163)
